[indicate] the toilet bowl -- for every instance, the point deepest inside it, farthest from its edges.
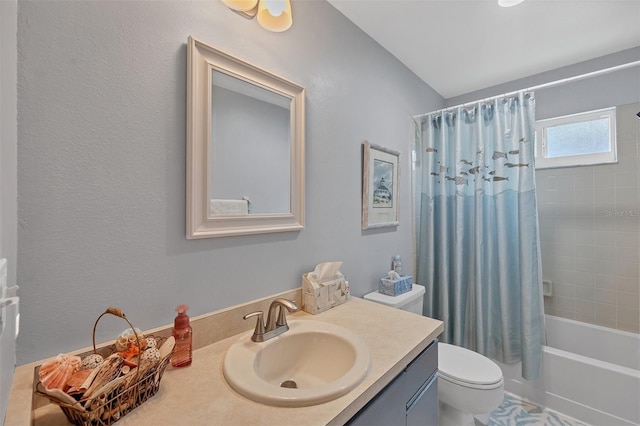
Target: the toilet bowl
(468, 383)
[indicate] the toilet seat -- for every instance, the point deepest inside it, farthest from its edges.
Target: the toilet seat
(467, 368)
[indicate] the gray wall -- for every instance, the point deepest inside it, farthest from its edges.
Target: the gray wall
(101, 162)
(589, 224)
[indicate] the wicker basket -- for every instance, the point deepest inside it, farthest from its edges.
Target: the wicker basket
(107, 407)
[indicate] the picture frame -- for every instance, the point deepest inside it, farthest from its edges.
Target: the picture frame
(380, 186)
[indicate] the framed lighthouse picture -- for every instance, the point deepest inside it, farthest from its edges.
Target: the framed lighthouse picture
(380, 182)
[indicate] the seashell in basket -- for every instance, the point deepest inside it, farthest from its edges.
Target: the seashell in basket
(55, 373)
(131, 352)
(122, 343)
(167, 347)
(152, 355)
(134, 339)
(109, 370)
(133, 362)
(130, 376)
(80, 390)
(91, 361)
(127, 337)
(145, 366)
(78, 378)
(150, 343)
(100, 395)
(58, 395)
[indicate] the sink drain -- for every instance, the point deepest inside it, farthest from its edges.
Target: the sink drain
(289, 384)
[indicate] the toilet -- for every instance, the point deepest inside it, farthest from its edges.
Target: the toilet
(469, 384)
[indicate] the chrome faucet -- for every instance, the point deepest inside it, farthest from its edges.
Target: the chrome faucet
(276, 323)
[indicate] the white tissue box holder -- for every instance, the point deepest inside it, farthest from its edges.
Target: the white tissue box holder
(319, 297)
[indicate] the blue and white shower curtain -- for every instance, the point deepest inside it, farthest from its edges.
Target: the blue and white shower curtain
(477, 228)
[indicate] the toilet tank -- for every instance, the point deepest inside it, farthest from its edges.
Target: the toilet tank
(410, 301)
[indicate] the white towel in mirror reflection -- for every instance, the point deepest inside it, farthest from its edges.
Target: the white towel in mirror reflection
(229, 207)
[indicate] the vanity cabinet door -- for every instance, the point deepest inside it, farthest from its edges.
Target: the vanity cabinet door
(385, 409)
(420, 370)
(410, 399)
(423, 410)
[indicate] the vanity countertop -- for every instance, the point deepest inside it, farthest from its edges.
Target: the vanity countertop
(198, 394)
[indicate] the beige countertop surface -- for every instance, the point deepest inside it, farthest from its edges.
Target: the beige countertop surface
(198, 394)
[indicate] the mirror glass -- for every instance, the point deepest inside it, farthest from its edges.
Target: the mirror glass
(245, 147)
(250, 148)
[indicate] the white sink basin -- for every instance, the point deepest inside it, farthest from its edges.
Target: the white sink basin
(323, 361)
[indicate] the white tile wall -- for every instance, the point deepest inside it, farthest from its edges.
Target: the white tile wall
(590, 234)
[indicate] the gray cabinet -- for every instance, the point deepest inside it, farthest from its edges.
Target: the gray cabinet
(410, 399)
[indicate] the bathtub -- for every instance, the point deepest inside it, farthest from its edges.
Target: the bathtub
(589, 372)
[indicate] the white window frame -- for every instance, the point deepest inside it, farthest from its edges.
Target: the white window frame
(544, 162)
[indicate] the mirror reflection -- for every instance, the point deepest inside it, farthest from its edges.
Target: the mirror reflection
(250, 148)
(245, 147)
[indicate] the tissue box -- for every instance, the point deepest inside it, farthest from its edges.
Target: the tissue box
(395, 287)
(318, 297)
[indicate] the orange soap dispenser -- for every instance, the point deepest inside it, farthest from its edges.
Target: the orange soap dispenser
(181, 356)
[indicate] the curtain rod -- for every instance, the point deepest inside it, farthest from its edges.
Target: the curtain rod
(541, 86)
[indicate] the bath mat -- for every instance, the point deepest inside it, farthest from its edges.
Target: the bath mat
(515, 411)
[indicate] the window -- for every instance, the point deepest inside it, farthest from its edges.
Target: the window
(577, 140)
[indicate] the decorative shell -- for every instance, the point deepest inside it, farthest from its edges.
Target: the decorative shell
(167, 347)
(91, 361)
(128, 336)
(150, 343)
(109, 370)
(122, 344)
(151, 355)
(78, 378)
(55, 373)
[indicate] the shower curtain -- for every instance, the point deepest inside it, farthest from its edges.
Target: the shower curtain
(477, 228)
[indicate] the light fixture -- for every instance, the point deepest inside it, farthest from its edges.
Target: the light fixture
(241, 5)
(272, 15)
(509, 3)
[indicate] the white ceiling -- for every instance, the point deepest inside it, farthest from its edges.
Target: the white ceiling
(460, 46)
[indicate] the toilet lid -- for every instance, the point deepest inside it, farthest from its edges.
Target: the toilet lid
(465, 366)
